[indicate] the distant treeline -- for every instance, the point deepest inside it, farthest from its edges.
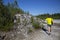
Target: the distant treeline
(54, 16)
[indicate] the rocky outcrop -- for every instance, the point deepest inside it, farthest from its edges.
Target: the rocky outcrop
(22, 25)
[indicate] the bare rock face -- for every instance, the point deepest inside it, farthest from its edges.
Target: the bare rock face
(2, 35)
(22, 25)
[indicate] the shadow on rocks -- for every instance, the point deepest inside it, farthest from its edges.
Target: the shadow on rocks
(45, 30)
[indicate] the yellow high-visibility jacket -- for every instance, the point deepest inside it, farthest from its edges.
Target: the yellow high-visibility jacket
(49, 21)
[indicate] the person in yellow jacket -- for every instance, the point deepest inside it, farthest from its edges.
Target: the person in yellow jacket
(49, 21)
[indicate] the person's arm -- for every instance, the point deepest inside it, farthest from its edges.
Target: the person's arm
(52, 21)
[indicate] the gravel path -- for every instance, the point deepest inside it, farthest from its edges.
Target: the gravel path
(42, 35)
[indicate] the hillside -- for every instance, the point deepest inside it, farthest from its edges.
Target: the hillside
(17, 24)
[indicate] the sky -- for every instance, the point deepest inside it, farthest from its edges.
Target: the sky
(36, 7)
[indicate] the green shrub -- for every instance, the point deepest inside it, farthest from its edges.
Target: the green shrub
(6, 27)
(30, 30)
(36, 25)
(6, 22)
(32, 19)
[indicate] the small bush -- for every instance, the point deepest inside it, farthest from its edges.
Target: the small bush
(32, 19)
(36, 25)
(30, 30)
